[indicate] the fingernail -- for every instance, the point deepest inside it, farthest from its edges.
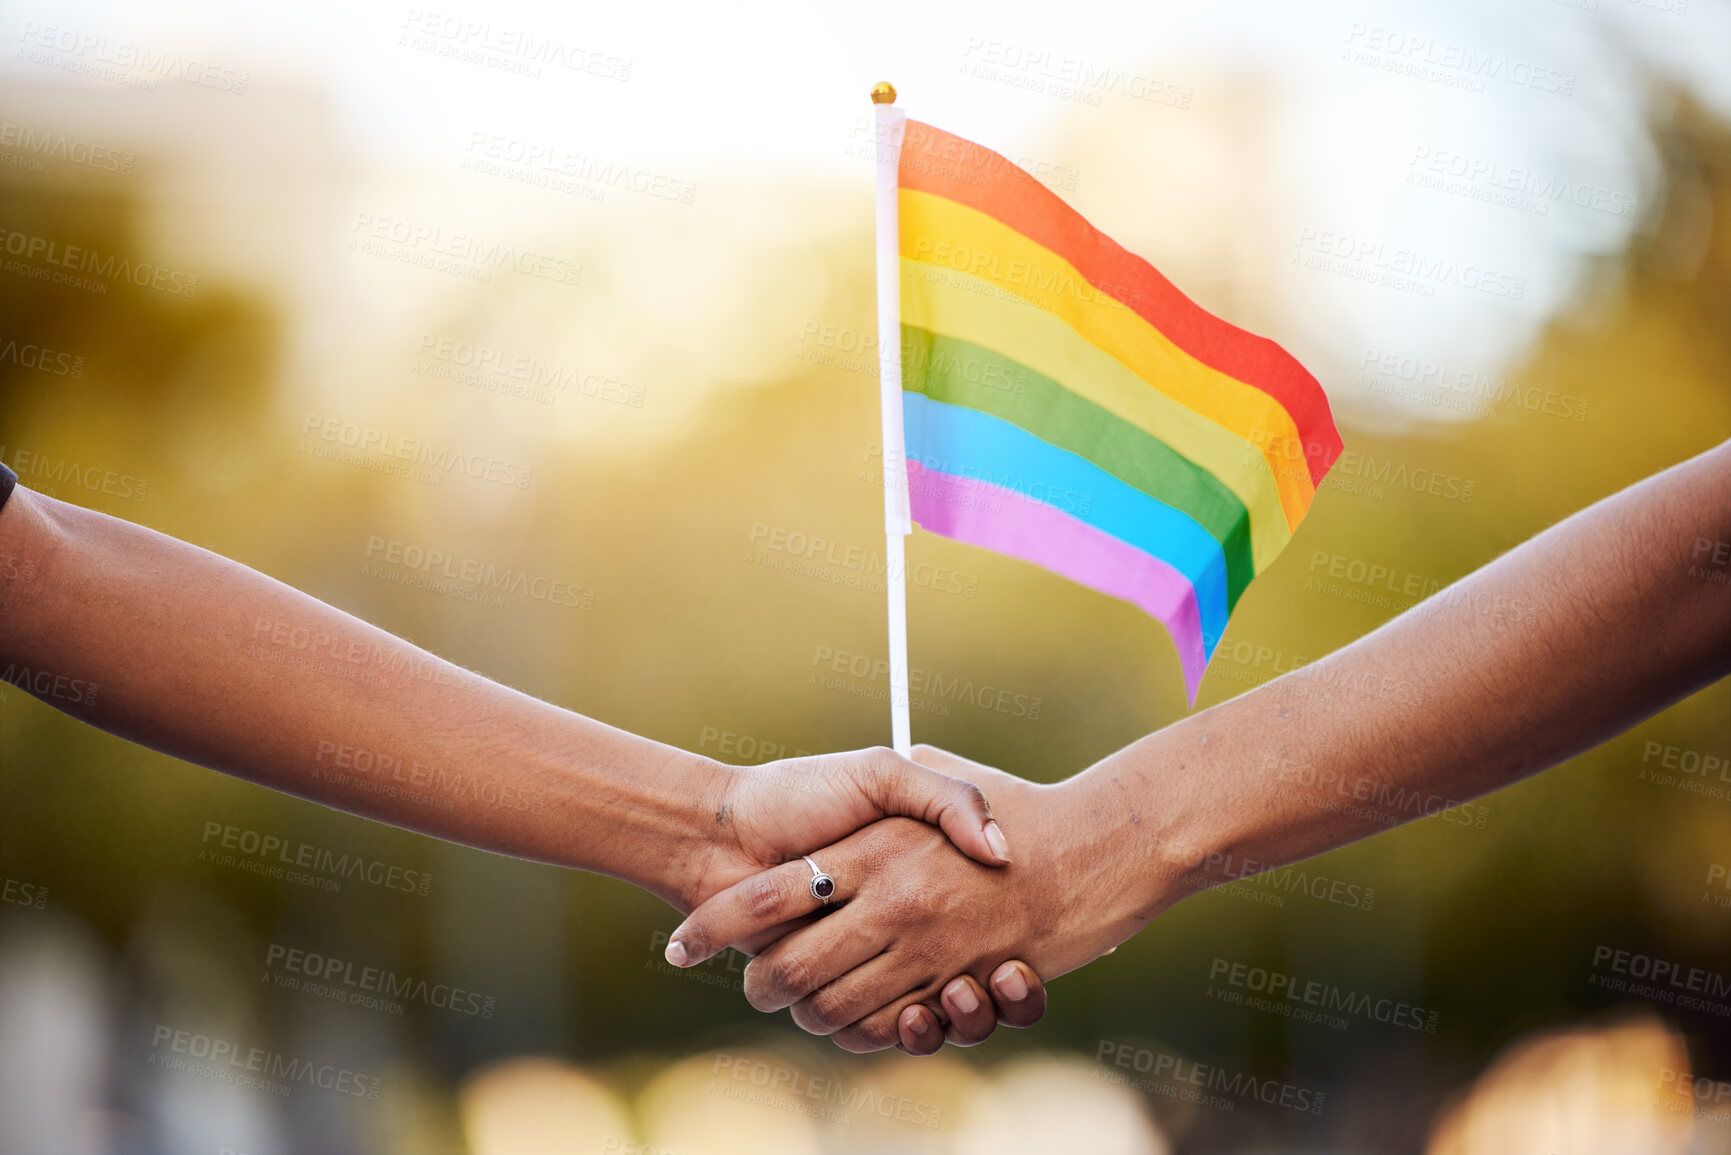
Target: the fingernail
(917, 1023)
(1013, 986)
(963, 996)
(676, 954)
(995, 840)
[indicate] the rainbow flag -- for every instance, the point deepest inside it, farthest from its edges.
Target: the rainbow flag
(1064, 403)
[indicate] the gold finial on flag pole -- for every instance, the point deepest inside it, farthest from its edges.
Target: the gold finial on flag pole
(883, 92)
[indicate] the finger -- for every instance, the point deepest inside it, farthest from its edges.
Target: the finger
(973, 1018)
(888, 976)
(799, 965)
(919, 1030)
(897, 786)
(881, 1028)
(745, 911)
(758, 943)
(1019, 994)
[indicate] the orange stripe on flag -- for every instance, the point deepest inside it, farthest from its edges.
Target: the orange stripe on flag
(936, 162)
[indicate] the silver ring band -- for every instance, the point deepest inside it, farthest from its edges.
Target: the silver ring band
(822, 885)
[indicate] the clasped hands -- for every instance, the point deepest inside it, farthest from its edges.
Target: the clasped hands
(933, 933)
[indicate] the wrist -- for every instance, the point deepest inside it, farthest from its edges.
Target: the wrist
(1158, 814)
(1121, 876)
(1139, 844)
(634, 809)
(696, 835)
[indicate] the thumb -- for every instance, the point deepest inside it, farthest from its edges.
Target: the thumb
(897, 786)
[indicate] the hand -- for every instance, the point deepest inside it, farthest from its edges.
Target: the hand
(771, 814)
(966, 1015)
(916, 912)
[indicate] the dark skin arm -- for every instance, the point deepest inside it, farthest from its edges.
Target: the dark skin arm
(1569, 639)
(186, 652)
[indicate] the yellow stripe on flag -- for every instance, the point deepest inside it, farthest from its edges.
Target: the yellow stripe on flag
(969, 309)
(957, 241)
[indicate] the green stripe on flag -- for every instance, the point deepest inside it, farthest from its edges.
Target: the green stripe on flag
(962, 373)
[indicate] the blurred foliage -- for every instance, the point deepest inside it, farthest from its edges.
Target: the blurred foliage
(689, 636)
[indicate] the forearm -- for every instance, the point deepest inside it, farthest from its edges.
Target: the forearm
(1565, 641)
(186, 652)
(1574, 636)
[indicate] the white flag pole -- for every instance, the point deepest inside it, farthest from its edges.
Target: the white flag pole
(898, 522)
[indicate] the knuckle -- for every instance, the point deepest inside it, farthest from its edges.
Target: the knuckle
(879, 1034)
(892, 773)
(812, 1021)
(875, 761)
(766, 896)
(761, 990)
(808, 1020)
(754, 992)
(863, 1038)
(827, 1009)
(788, 978)
(914, 905)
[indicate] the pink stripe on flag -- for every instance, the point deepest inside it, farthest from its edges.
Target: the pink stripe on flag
(1000, 519)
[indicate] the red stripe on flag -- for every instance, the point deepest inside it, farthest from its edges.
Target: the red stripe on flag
(945, 165)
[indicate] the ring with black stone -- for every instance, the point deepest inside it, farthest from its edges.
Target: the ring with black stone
(822, 885)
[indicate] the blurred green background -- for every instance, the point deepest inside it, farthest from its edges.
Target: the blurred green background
(659, 496)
